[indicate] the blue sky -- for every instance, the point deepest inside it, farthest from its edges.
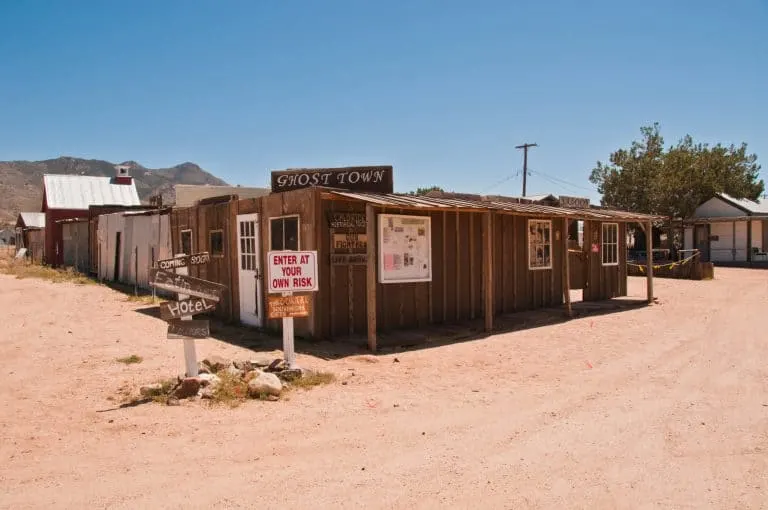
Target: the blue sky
(443, 90)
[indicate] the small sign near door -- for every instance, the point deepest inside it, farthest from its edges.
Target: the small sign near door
(292, 271)
(283, 307)
(187, 260)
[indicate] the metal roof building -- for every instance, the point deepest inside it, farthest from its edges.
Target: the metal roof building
(78, 192)
(31, 220)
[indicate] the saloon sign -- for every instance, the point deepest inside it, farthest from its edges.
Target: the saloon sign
(357, 178)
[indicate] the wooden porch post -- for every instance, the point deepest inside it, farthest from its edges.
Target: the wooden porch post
(567, 269)
(649, 249)
(749, 240)
(370, 288)
(488, 270)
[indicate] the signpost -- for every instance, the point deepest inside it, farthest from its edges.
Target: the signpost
(184, 329)
(184, 261)
(183, 284)
(282, 307)
(179, 313)
(177, 309)
(289, 272)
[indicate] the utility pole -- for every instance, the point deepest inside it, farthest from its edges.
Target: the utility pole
(525, 161)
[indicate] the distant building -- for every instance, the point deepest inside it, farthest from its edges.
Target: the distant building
(30, 234)
(188, 195)
(69, 197)
(7, 237)
(729, 230)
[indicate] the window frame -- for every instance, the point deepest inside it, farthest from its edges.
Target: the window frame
(191, 241)
(604, 244)
(298, 231)
(210, 242)
(528, 245)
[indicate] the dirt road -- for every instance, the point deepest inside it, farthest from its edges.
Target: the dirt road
(662, 407)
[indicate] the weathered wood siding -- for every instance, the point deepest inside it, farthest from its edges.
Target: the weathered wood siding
(604, 282)
(303, 203)
(203, 219)
(517, 288)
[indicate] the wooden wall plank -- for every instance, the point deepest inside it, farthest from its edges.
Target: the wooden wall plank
(472, 274)
(370, 215)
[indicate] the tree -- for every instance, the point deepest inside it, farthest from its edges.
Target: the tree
(424, 191)
(674, 182)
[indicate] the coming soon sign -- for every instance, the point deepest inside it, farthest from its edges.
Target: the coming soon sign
(292, 271)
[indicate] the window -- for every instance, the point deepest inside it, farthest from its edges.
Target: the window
(216, 243)
(248, 245)
(610, 244)
(284, 233)
(539, 244)
(186, 242)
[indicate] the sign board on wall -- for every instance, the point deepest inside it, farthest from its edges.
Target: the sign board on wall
(187, 260)
(573, 202)
(405, 248)
(282, 307)
(347, 221)
(349, 243)
(357, 178)
(292, 271)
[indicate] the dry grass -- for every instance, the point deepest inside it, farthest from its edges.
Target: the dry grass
(232, 390)
(143, 299)
(130, 360)
(23, 269)
(311, 379)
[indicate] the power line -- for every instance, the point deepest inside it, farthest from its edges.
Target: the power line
(558, 180)
(525, 148)
(506, 179)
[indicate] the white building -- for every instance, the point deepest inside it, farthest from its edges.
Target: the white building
(729, 230)
(130, 242)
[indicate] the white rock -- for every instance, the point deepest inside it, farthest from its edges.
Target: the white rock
(265, 384)
(209, 380)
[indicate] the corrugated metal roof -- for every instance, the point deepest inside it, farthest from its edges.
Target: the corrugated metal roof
(422, 202)
(760, 207)
(33, 219)
(81, 191)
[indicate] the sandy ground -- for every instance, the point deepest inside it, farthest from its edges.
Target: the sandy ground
(661, 407)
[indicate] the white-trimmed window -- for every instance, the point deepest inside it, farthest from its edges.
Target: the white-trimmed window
(284, 233)
(185, 242)
(610, 248)
(539, 244)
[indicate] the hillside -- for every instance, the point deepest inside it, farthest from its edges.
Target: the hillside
(21, 182)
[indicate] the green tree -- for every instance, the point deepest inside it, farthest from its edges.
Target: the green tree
(424, 191)
(672, 182)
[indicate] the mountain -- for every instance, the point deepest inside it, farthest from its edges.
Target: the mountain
(21, 182)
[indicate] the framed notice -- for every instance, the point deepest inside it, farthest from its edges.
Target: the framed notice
(405, 248)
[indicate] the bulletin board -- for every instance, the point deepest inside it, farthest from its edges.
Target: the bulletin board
(405, 248)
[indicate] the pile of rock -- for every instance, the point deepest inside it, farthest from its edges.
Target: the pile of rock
(263, 378)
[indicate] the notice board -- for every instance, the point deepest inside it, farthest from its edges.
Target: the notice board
(405, 248)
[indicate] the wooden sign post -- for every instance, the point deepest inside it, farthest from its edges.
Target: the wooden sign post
(289, 272)
(193, 296)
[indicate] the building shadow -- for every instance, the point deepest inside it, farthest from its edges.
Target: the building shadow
(428, 337)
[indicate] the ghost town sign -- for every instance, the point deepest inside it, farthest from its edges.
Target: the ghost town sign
(356, 178)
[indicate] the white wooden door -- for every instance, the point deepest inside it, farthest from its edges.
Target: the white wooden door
(249, 262)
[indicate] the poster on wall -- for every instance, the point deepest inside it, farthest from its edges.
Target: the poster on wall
(405, 248)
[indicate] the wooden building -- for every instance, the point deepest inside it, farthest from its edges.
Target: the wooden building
(390, 261)
(130, 242)
(68, 197)
(75, 244)
(30, 234)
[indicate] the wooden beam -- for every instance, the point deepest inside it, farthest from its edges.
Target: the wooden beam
(733, 242)
(445, 269)
(515, 272)
(370, 288)
(472, 266)
(649, 249)
(566, 269)
(458, 268)
(488, 305)
(749, 240)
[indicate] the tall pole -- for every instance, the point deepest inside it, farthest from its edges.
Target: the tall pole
(525, 147)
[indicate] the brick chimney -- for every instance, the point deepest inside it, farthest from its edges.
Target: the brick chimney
(123, 174)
